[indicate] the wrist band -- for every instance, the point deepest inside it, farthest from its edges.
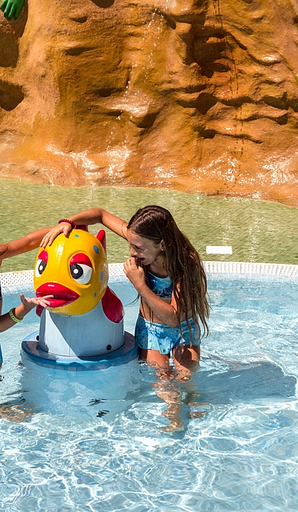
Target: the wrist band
(69, 222)
(13, 317)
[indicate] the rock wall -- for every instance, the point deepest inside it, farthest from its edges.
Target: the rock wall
(196, 95)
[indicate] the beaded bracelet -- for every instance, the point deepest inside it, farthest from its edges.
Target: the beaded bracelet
(69, 222)
(13, 317)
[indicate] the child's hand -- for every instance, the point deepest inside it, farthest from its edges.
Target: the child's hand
(63, 227)
(135, 273)
(32, 302)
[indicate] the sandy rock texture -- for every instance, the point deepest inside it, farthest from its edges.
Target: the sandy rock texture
(195, 95)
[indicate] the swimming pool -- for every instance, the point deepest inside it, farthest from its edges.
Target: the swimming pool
(99, 441)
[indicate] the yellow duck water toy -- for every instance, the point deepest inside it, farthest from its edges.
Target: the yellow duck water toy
(83, 327)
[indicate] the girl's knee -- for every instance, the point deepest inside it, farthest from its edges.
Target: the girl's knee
(154, 357)
(186, 354)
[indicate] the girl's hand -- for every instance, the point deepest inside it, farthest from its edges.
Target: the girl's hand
(63, 227)
(32, 302)
(135, 274)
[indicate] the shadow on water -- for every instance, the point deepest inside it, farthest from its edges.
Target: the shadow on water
(218, 382)
(229, 381)
(115, 393)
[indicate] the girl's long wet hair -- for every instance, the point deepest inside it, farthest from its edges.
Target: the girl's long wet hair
(181, 260)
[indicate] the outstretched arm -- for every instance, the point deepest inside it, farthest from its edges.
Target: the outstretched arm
(24, 244)
(87, 217)
(17, 314)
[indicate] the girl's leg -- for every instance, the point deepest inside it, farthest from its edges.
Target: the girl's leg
(154, 356)
(186, 359)
(160, 362)
(165, 387)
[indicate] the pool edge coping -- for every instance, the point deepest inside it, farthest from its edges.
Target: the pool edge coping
(223, 268)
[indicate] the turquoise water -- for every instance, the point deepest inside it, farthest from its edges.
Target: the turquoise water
(98, 442)
(257, 231)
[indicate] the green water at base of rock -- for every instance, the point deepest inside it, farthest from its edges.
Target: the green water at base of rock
(257, 231)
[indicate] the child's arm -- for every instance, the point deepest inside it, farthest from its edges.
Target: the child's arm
(87, 217)
(24, 244)
(167, 313)
(17, 314)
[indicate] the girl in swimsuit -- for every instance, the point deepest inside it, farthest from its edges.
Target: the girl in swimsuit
(167, 272)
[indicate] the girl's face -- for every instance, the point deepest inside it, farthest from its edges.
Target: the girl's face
(142, 248)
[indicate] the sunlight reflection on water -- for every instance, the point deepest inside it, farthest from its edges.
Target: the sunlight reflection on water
(237, 449)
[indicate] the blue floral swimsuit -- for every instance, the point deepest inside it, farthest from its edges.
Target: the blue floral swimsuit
(161, 337)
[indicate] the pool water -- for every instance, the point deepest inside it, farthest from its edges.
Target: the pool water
(100, 441)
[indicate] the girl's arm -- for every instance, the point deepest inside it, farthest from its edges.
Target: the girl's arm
(24, 244)
(167, 313)
(17, 314)
(87, 217)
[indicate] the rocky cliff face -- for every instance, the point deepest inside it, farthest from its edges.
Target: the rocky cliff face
(196, 95)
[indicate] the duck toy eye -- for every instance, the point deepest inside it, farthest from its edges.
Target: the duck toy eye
(41, 263)
(81, 268)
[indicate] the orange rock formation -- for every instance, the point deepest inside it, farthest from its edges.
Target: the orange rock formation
(196, 95)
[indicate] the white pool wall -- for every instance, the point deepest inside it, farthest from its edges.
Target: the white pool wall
(222, 269)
